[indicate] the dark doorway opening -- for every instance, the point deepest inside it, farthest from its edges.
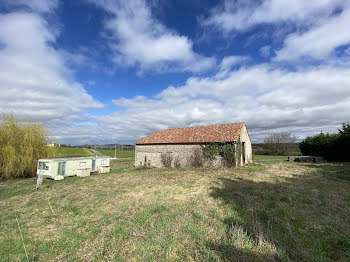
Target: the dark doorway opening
(243, 152)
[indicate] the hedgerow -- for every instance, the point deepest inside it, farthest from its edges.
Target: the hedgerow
(333, 147)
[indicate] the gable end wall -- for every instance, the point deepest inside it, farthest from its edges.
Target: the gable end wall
(248, 146)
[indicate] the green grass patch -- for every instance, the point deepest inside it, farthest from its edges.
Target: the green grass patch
(121, 154)
(267, 211)
(71, 152)
(332, 170)
(269, 157)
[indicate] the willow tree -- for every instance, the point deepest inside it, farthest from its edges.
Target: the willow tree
(21, 145)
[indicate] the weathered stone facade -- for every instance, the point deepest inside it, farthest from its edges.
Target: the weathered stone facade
(247, 152)
(182, 154)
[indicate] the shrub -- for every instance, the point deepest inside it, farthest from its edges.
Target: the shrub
(196, 159)
(343, 143)
(166, 159)
(226, 151)
(21, 146)
(261, 151)
(319, 145)
(333, 147)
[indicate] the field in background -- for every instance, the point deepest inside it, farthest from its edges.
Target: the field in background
(270, 211)
(268, 158)
(71, 152)
(121, 154)
(262, 149)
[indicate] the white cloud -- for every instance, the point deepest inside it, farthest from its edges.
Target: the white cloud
(320, 26)
(267, 99)
(319, 42)
(40, 6)
(243, 14)
(228, 62)
(35, 83)
(138, 39)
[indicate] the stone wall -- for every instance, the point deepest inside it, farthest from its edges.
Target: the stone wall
(182, 154)
(248, 146)
(150, 155)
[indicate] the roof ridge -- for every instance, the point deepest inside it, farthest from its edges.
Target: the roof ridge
(228, 132)
(199, 126)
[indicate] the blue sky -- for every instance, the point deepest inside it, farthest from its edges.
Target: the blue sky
(115, 71)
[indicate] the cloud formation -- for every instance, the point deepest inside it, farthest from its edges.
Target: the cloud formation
(138, 39)
(241, 15)
(35, 82)
(267, 99)
(39, 6)
(320, 41)
(320, 27)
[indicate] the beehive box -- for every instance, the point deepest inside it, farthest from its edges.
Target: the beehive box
(83, 172)
(104, 169)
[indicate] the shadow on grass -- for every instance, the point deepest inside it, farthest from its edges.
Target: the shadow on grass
(299, 217)
(338, 170)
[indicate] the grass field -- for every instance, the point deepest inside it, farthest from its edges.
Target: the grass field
(268, 157)
(263, 149)
(121, 154)
(269, 211)
(71, 152)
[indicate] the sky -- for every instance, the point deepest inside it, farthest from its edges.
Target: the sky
(110, 71)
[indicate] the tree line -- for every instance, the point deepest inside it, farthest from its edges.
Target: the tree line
(333, 147)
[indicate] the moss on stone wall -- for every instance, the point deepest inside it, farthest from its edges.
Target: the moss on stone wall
(226, 151)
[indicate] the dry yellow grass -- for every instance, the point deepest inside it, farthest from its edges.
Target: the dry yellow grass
(264, 212)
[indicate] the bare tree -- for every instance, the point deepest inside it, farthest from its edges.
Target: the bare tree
(278, 143)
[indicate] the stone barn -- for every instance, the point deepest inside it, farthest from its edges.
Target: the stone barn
(184, 147)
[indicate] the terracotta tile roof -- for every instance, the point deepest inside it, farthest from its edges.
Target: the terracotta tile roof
(194, 135)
